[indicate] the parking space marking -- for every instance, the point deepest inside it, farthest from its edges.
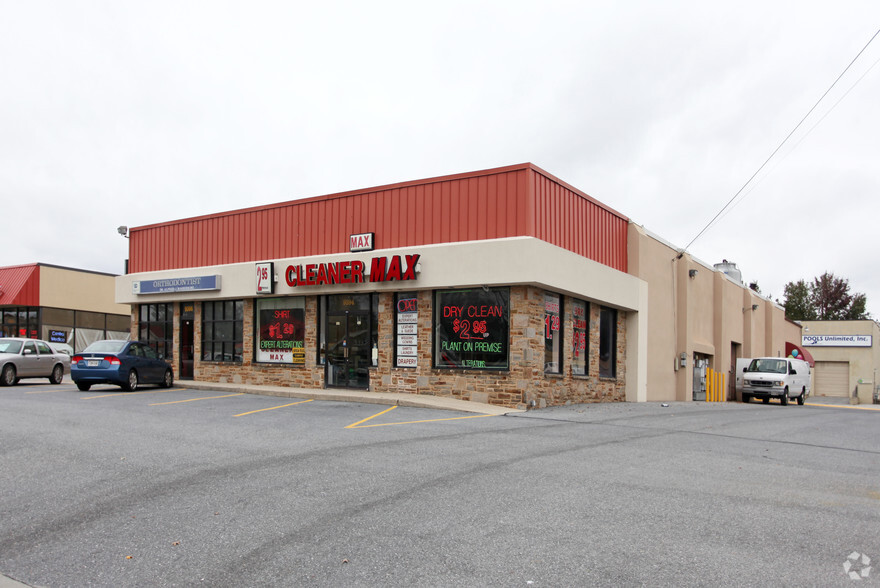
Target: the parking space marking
(360, 425)
(161, 391)
(857, 407)
(354, 425)
(194, 399)
(46, 391)
(273, 407)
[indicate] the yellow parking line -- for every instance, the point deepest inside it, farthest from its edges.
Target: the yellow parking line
(476, 416)
(856, 406)
(352, 426)
(360, 425)
(273, 407)
(194, 399)
(162, 391)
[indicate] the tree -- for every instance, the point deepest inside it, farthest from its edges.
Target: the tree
(826, 298)
(797, 302)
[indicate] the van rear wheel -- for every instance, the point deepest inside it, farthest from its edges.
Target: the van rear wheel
(800, 399)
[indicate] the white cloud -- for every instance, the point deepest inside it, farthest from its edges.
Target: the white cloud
(131, 113)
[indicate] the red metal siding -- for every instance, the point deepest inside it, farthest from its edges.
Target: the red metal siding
(520, 200)
(20, 285)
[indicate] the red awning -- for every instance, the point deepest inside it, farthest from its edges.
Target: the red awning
(802, 353)
(20, 285)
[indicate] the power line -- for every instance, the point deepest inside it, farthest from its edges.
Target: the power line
(801, 140)
(784, 141)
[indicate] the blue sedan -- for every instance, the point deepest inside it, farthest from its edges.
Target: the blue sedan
(123, 363)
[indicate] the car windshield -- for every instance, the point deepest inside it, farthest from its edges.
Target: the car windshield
(768, 366)
(105, 347)
(10, 346)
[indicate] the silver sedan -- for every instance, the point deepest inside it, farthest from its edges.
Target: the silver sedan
(30, 358)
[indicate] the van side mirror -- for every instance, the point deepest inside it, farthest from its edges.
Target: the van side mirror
(745, 369)
(793, 371)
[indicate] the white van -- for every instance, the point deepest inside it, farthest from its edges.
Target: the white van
(773, 377)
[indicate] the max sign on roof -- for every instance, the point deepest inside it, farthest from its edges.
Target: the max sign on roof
(382, 269)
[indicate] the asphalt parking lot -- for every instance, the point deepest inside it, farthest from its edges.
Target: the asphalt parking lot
(197, 487)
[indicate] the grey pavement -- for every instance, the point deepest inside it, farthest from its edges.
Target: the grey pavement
(354, 395)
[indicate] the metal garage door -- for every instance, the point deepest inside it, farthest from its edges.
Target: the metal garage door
(832, 378)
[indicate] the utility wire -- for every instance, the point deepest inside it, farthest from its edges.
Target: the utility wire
(784, 141)
(754, 186)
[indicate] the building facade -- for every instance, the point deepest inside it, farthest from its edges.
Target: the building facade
(60, 305)
(505, 286)
(847, 355)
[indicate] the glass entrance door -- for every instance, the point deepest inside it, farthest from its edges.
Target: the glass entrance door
(187, 317)
(348, 349)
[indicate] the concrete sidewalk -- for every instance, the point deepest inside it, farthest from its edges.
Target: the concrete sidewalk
(353, 395)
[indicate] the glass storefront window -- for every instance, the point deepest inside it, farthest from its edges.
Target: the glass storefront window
(281, 330)
(156, 327)
(607, 343)
(472, 328)
(552, 333)
(222, 330)
(580, 337)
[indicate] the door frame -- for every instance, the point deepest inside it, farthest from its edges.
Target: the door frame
(365, 352)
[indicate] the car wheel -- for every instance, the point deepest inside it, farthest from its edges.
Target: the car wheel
(801, 398)
(766, 400)
(747, 398)
(132, 383)
(57, 375)
(83, 386)
(784, 398)
(168, 380)
(7, 376)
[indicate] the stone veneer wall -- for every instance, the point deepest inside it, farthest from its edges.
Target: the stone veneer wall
(523, 383)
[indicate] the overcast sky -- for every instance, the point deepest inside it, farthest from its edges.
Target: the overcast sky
(131, 113)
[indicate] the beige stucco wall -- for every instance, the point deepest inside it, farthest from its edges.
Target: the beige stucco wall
(692, 308)
(864, 362)
(79, 290)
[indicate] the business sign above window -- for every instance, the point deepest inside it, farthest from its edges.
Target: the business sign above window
(837, 340)
(362, 242)
(167, 285)
(382, 269)
(265, 278)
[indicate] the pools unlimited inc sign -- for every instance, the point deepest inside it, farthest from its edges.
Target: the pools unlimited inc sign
(837, 340)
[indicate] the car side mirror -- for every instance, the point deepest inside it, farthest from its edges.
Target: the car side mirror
(28, 351)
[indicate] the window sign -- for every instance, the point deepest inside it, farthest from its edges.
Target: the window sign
(580, 328)
(58, 336)
(407, 330)
(281, 332)
(552, 333)
(472, 328)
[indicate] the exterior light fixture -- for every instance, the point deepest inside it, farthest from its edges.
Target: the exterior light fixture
(123, 230)
(692, 273)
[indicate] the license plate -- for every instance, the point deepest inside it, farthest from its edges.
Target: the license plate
(93, 363)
